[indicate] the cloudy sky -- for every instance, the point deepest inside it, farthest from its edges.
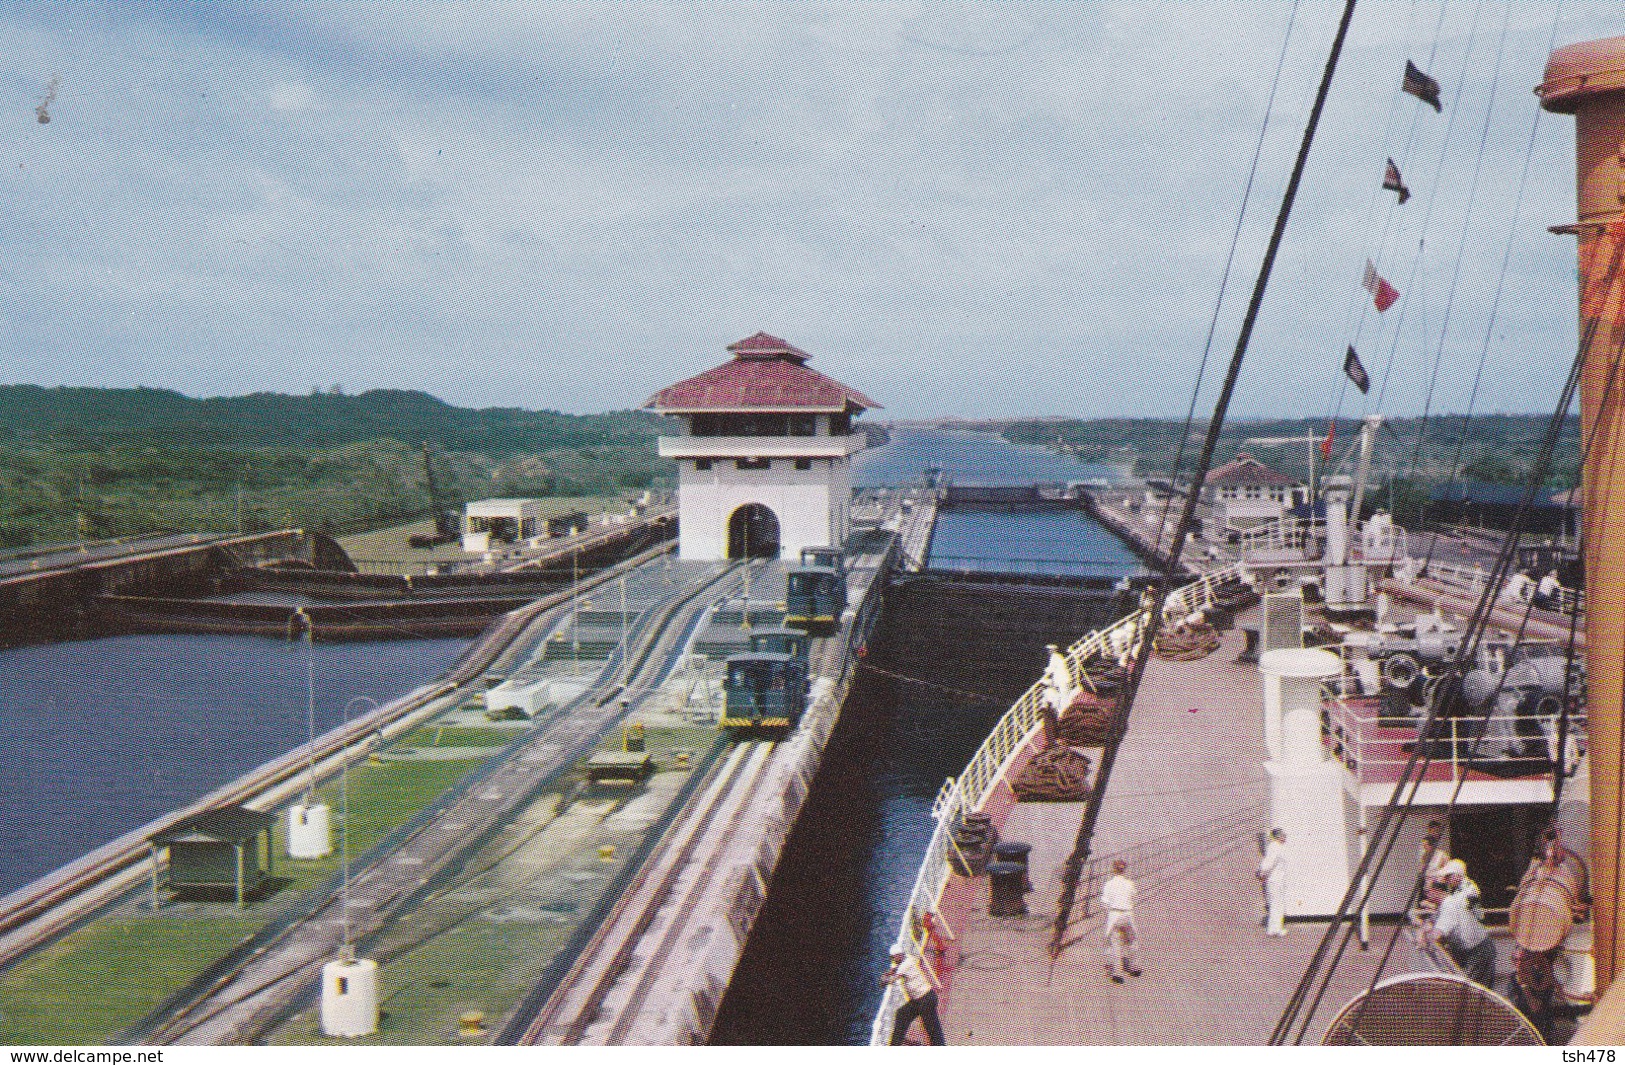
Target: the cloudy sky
(976, 209)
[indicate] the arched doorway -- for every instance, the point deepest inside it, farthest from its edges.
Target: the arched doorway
(753, 532)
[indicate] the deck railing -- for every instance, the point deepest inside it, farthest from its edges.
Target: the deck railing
(1281, 536)
(992, 761)
(1374, 748)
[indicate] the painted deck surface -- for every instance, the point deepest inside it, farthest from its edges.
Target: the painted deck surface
(1187, 799)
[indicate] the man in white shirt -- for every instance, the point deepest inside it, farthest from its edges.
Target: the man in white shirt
(1458, 930)
(1117, 898)
(920, 994)
(1272, 871)
(1550, 592)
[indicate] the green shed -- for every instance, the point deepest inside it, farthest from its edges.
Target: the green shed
(213, 851)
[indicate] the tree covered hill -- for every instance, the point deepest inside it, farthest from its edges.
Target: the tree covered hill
(96, 462)
(109, 417)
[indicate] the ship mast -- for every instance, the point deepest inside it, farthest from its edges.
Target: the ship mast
(1588, 81)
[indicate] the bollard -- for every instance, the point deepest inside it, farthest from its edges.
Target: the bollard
(1007, 890)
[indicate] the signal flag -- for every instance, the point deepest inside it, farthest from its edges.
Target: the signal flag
(1392, 181)
(1420, 85)
(1381, 291)
(1357, 374)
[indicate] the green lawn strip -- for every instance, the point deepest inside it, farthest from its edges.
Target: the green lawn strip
(479, 965)
(458, 736)
(384, 796)
(101, 978)
(106, 976)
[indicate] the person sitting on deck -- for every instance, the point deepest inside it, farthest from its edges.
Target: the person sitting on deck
(1458, 929)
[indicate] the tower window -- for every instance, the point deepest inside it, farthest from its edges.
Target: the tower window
(803, 464)
(754, 464)
(702, 464)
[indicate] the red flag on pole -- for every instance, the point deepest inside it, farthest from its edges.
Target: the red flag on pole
(1326, 444)
(1381, 291)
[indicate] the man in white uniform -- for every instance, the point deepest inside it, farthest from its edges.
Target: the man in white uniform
(1272, 871)
(1117, 899)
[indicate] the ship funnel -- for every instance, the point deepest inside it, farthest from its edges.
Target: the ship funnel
(1588, 81)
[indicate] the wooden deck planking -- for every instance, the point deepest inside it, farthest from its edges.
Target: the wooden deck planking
(1211, 976)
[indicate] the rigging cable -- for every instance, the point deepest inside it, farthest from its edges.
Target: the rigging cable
(1500, 284)
(1224, 278)
(1387, 828)
(1073, 867)
(1461, 245)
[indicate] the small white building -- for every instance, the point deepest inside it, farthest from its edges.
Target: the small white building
(1245, 492)
(488, 521)
(764, 455)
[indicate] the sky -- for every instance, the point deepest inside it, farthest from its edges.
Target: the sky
(960, 209)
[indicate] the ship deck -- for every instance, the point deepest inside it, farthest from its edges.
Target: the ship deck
(1187, 799)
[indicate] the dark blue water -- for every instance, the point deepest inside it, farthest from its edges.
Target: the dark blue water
(98, 737)
(1065, 542)
(937, 678)
(969, 457)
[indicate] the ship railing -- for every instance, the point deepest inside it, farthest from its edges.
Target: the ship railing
(1284, 535)
(1470, 581)
(1375, 747)
(993, 760)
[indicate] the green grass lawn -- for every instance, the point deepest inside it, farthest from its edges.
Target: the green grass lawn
(458, 736)
(100, 979)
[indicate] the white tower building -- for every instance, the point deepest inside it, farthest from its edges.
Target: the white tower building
(764, 456)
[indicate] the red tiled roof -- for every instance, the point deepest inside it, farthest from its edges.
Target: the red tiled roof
(1245, 469)
(766, 373)
(767, 346)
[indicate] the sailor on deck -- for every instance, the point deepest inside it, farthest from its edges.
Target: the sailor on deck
(1117, 898)
(1550, 592)
(1272, 871)
(1458, 930)
(919, 989)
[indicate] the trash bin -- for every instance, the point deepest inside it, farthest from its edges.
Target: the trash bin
(1013, 851)
(1007, 889)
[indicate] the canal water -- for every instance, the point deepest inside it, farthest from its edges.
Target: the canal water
(99, 737)
(933, 684)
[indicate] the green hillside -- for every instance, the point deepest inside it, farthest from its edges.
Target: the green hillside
(108, 462)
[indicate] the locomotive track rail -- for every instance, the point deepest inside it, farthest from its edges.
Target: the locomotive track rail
(257, 988)
(604, 995)
(43, 910)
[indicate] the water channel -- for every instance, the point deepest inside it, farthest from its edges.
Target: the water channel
(98, 737)
(931, 687)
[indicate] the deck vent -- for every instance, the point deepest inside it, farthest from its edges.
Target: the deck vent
(1283, 620)
(1431, 1009)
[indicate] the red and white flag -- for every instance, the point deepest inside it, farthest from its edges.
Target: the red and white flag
(1381, 291)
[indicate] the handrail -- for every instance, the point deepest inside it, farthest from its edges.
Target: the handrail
(1465, 743)
(993, 759)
